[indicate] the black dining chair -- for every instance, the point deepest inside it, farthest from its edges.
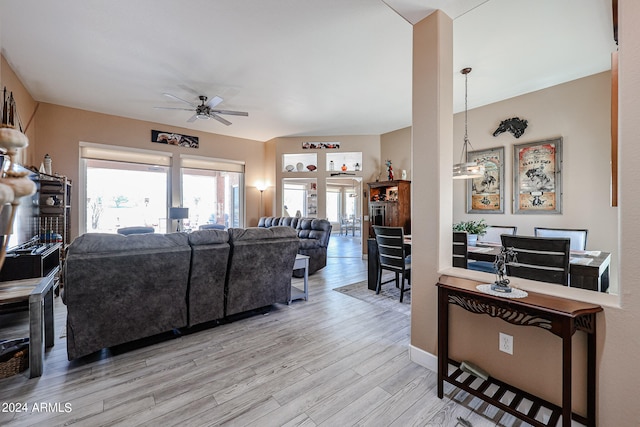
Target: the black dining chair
(461, 255)
(545, 259)
(392, 257)
(460, 249)
(578, 236)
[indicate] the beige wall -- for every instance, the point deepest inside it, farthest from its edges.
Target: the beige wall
(26, 108)
(475, 335)
(431, 188)
(60, 131)
(579, 112)
(396, 146)
(368, 145)
(618, 340)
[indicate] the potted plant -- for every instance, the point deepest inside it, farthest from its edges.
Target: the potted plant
(473, 229)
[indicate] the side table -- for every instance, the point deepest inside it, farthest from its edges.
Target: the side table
(39, 294)
(302, 261)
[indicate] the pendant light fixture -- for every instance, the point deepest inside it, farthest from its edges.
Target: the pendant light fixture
(464, 169)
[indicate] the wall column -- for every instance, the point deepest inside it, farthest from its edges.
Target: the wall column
(432, 187)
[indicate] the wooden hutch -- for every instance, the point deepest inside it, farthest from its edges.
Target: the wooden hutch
(390, 204)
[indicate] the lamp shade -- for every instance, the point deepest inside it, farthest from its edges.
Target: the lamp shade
(178, 213)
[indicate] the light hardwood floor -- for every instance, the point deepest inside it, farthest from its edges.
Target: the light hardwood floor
(331, 361)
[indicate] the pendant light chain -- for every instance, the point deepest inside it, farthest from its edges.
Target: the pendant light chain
(463, 154)
(466, 135)
(464, 169)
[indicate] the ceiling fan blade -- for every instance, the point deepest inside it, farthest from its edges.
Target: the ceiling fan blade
(230, 112)
(173, 108)
(193, 118)
(213, 101)
(220, 119)
(179, 99)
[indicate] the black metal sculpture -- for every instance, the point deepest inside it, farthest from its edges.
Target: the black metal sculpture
(514, 125)
(506, 255)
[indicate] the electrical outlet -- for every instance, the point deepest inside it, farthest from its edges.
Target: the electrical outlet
(506, 343)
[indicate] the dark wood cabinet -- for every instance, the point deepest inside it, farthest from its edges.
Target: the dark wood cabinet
(390, 204)
(36, 261)
(54, 209)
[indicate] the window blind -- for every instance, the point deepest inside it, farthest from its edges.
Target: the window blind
(125, 155)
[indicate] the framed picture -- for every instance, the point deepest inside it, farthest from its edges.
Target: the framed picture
(392, 194)
(174, 139)
(537, 187)
(486, 194)
(320, 145)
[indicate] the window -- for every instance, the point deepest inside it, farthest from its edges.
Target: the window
(299, 197)
(122, 194)
(334, 205)
(213, 197)
(130, 187)
(351, 204)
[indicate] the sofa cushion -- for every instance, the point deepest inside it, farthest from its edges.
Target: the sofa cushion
(258, 233)
(314, 234)
(310, 243)
(207, 278)
(122, 288)
(209, 236)
(260, 267)
(105, 242)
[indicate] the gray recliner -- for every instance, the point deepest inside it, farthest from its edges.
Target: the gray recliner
(314, 234)
(109, 302)
(260, 267)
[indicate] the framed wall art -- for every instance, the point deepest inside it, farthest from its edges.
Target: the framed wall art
(537, 187)
(174, 139)
(486, 194)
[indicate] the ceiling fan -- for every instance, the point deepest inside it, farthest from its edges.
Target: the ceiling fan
(206, 110)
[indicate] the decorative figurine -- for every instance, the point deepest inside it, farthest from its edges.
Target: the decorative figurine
(389, 170)
(506, 255)
(514, 125)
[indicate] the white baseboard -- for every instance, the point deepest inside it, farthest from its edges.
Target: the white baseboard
(423, 358)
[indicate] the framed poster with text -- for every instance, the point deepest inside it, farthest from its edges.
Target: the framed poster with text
(486, 194)
(537, 187)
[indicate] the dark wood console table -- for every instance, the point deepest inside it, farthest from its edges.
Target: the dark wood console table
(560, 316)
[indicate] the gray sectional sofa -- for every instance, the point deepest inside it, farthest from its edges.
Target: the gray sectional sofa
(121, 288)
(314, 234)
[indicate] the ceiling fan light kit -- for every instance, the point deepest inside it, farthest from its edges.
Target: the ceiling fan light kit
(205, 110)
(466, 170)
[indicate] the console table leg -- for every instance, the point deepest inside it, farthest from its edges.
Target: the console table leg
(566, 373)
(443, 339)
(591, 377)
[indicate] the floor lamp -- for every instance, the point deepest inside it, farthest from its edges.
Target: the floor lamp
(179, 214)
(261, 188)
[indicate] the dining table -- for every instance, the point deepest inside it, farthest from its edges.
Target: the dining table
(587, 269)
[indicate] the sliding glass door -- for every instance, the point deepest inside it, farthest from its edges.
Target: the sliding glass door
(123, 194)
(213, 197)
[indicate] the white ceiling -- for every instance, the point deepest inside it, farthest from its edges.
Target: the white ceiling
(330, 67)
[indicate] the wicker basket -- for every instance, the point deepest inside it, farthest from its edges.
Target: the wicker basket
(18, 361)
